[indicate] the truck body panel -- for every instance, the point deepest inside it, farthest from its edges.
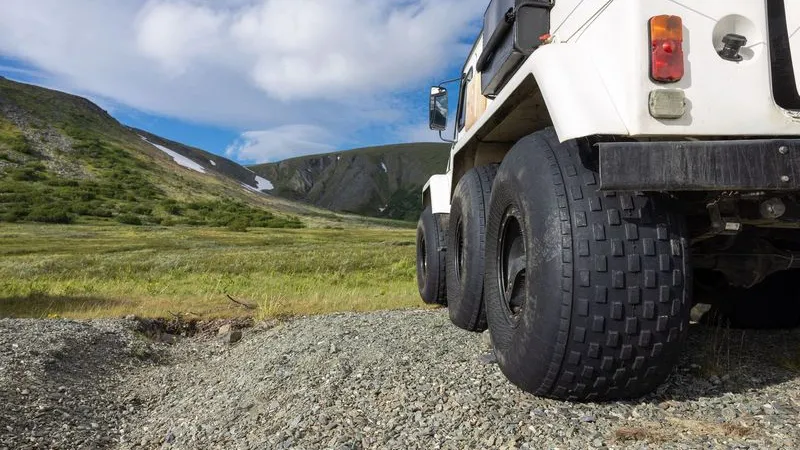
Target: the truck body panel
(594, 78)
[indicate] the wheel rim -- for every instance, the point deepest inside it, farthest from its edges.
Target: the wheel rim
(422, 259)
(460, 253)
(422, 262)
(512, 265)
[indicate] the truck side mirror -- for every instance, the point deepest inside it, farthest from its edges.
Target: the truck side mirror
(438, 108)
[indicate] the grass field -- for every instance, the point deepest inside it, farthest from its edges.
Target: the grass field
(84, 271)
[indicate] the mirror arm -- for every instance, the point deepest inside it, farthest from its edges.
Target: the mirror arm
(441, 85)
(449, 141)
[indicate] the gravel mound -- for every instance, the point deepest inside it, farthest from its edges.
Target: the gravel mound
(381, 380)
(60, 382)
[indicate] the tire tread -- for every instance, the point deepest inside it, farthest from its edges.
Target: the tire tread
(634, 271)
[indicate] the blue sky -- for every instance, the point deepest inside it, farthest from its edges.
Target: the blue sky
(254, 80)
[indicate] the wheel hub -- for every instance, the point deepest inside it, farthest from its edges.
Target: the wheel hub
(512, 265)
(423, 257)
(460, 253)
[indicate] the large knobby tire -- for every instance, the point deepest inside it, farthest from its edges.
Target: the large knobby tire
(465, 244)
(431, 276)
(588, 293)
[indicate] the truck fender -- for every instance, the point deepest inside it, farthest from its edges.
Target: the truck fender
(573, 89)
(437, 194)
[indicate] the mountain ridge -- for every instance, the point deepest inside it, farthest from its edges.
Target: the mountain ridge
(382, 181)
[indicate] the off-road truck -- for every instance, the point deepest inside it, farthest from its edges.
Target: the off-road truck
(610, 157)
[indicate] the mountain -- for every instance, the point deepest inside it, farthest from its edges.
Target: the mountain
(377, 181)
(64, 159)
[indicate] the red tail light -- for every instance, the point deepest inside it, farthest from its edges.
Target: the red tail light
(666, 57)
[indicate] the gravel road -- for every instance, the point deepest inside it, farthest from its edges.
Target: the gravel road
(382, 380)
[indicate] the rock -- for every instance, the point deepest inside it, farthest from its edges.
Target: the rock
(486, 339)
(130, 317)
(233, 337)
(588, 419)
(714, 380)
(488, 358)
(333, 349)
(224, 330)
(167, 338)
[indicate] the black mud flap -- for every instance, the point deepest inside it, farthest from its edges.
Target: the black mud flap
(744, 165)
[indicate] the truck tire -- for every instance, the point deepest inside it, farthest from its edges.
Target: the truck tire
(431, 250)
(588, 294)
(465, 243)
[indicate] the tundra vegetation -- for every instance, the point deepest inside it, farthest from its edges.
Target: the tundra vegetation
(117, 188)
(112, 270)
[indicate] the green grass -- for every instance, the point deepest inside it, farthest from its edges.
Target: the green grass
(80, 271)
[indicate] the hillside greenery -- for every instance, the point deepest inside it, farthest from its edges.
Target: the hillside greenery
(404, 204)
(119, 190)
(83, 166)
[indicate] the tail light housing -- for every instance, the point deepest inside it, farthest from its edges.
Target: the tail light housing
(666, 57)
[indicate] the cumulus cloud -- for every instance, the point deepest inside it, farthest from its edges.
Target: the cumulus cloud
(176, 34)
(337, 65)
(281, 143)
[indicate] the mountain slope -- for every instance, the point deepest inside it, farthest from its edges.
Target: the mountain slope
(209, 161)
(377, 181)
(64, 159)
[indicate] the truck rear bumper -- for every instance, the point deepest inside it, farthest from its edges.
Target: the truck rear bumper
(743, 165)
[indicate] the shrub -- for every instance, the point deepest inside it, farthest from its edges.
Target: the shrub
(129, 219)
(143, 210)
(26, 174)
(52, 214)
(14, 215)
(100, 212)
(239, 225)
(172, 207)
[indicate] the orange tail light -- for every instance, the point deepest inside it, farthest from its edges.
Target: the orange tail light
(666, 57)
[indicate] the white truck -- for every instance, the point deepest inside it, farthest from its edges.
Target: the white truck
(610, 157)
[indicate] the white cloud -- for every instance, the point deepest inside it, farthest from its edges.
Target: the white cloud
(338, 65)
(280, 143)
(332, 48)
(176, 34)
(419, 133)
